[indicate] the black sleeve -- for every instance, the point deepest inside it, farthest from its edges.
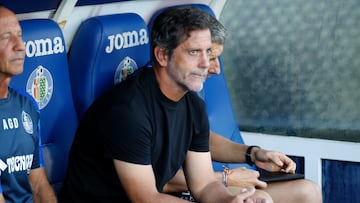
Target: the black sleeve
(200, 141)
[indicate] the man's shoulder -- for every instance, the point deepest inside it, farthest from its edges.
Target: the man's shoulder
(23, 98)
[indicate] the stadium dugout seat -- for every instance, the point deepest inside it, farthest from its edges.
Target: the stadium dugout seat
(218, 102)
(46, 78)
(221, 113)
(105, 50)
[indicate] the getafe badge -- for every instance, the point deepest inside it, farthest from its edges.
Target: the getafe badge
(40, 86)
(27, 122)
(125, 68)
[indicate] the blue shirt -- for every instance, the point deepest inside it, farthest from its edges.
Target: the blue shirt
(19, 145)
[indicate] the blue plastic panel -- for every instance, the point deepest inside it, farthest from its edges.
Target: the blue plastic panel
(27, 6)
(340, 181)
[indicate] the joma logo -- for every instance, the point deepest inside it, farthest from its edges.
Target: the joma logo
(43, 47)
(127, 40)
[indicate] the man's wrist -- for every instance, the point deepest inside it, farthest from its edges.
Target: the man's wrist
(248, 157)
(225, 174)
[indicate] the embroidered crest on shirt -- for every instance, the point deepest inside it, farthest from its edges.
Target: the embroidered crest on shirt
(40, 86)
(27, 122)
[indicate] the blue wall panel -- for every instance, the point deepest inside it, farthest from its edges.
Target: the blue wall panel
(27, 6)
(340, 181)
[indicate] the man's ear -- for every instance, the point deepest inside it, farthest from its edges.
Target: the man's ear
(161, 56)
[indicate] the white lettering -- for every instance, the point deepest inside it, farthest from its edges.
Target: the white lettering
(43, 47)
(127, 40)
(119, 42)
(10, 123)
(5, 125)
(16, 122)
(19, 163)
(144, 39)
(58, 45)
(131, 39)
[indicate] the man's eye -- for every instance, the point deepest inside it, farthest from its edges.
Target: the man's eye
(5, 36)
(193, 52)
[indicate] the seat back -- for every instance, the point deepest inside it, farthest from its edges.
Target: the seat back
(221, 113)
(105, 50)
(46, 78)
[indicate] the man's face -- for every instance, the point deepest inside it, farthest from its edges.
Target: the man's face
(214, 68)
(189, 63)
(12, 48)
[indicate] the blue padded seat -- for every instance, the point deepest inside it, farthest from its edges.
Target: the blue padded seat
(46, 78)
(221, 113)
(105, 50)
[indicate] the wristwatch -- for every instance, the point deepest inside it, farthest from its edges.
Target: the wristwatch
(248, 155)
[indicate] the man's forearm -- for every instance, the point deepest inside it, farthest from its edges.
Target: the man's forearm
(2, 199)
(225, 150)
(176, 184)
(214, 192)
(45, 194)
(42, 190)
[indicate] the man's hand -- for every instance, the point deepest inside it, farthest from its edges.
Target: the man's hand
(244, 178)
(246, 196)
(273, 161)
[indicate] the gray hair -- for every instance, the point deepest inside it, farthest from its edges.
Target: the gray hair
(218, 31)
(174, 25)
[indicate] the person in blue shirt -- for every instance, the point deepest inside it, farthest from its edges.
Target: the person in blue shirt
(22, 175)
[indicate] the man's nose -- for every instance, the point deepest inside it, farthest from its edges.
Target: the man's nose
(204, 60)
(20, 45)
(215, 68)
